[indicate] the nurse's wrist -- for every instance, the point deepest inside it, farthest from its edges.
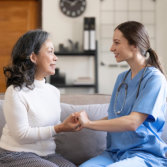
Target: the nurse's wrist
(88, 124)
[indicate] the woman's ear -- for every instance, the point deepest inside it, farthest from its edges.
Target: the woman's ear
(33, 58)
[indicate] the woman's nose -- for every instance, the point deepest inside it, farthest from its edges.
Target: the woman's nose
(55, 58)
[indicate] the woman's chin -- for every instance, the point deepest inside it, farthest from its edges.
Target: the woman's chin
(52, 73)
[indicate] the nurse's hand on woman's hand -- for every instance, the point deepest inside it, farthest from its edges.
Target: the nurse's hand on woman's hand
(83, 118)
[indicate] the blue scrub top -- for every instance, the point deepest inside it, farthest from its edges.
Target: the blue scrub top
(152, 101)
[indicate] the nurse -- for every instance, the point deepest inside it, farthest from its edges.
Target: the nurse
(136, 114)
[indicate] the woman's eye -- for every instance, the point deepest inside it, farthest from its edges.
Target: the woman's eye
(50, 51)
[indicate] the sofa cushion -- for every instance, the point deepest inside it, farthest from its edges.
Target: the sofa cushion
(80, 146)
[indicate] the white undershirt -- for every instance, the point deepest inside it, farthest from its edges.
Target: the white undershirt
(30, 118)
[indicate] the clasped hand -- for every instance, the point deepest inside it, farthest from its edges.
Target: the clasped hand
(76, 121)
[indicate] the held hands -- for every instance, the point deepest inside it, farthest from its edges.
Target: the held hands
(83, 119)
(77, 120)
(74, 122)
(71, 123)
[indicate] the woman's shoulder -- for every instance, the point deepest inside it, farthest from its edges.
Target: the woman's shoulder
(12, 91)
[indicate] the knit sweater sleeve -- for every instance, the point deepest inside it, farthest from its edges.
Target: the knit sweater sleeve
(15, 111)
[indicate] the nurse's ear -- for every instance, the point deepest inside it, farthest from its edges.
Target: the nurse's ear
(33, 58)
(134, 48)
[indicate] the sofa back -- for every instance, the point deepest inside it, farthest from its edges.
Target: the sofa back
(85, 99)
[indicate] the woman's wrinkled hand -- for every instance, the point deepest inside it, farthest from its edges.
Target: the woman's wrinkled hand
(72, 123)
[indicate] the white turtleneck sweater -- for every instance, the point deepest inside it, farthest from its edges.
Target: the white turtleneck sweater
(30, 118)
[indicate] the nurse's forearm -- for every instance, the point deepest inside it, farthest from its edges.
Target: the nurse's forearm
(113, 125)
(125, 123)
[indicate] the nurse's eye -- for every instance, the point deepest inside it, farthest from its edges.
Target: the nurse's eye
(116, 43)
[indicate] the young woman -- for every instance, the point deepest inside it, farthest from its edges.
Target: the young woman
(136, 114)
(32, 107)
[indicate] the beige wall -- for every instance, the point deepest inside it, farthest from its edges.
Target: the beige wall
(62, 27)
(161, 13)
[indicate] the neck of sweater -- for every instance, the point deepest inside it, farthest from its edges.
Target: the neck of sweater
(39, 83)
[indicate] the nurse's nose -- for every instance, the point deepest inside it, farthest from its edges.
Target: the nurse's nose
(112, 49)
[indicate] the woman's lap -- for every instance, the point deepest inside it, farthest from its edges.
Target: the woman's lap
(20, 159)
(59, 160)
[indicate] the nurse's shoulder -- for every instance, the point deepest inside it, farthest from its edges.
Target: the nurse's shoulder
(155, 78)
(155, 73)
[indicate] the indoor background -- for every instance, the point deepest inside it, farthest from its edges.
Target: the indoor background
(108, 14)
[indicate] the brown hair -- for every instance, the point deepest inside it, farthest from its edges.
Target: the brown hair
(137, 35)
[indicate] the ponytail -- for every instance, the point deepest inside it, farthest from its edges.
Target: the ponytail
(154, 60)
